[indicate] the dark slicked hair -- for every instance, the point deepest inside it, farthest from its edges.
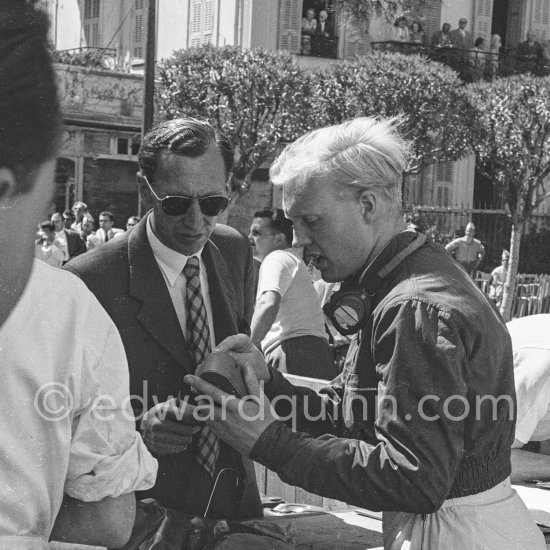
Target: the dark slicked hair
(107, 214)
(278, 222)
(30, 119)
(188, 137)
(46, 224)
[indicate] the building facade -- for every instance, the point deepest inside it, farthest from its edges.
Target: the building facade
(102, 107)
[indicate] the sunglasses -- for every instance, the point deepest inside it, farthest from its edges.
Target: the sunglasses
(176, 205)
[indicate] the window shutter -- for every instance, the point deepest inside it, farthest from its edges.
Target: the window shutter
(483, 15)
(91, 22)
(541, 17)
(444, 172)
(202, 22)
(357, 41)
(430, 16)
(290, 22)
(139, 27)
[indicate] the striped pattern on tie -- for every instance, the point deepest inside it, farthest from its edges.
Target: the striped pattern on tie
(198, 340)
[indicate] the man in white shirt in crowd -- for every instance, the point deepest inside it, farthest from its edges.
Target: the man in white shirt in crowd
(70, 242)
(288, 324)
(531, 345)
(106, 231)
(70, 456)
(498, 278)
(48, 248)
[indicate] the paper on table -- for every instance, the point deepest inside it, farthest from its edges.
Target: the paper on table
(537, 502)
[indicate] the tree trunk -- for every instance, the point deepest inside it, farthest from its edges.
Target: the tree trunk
(510, 284)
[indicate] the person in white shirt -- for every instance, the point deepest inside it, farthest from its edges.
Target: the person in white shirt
(69, 456)
(498, 278)
(69, 240)
(106, 231)
(48, 248)
(288, 324)
(531, 345)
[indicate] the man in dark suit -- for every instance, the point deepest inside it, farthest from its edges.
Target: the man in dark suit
(71, 242)
(323, 37)
(529, 54)
(140, 279)
(462, 40)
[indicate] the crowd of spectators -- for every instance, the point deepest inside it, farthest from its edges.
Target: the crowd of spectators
(472, 57)
(71, 233)
(317, 36)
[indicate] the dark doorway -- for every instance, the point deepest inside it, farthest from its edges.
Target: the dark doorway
(500, 19)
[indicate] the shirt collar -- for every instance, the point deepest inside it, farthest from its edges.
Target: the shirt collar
(170, 262)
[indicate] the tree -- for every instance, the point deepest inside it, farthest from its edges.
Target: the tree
(437, 115)
(257, 98)
(513, 150)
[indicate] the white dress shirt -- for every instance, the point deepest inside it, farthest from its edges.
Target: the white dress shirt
(66, 422)
(171, 264)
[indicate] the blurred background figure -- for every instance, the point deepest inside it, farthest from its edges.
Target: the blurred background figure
(467, 251)
(498, 278)
(47, 249)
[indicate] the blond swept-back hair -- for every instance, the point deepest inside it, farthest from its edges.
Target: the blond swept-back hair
(362, 154)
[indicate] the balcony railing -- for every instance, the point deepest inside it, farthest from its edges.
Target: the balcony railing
(96, 58)
(472, 65)
(317, 45)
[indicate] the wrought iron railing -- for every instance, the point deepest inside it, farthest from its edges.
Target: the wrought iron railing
(96, 58)
(472, 64)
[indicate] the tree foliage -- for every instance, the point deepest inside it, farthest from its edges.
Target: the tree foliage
(513, 150)
(255, 97)
(362, 11)
(438, 116)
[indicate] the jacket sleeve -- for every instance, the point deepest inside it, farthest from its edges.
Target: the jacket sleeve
(419, 430)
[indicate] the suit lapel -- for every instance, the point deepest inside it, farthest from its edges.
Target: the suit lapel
(221, 292)
(157, 315)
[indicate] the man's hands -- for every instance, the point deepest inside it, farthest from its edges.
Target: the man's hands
(244, 352)
(168, 427)
(238, 422)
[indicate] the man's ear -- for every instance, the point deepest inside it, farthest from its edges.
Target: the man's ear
(368, 204)
(8, 185)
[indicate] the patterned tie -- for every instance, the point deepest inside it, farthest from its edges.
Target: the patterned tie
(198, 339)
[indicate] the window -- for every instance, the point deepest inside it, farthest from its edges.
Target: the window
(125, 145)
(138, 37)
(91, 22)
(443, 195)
(202, 22)
(444, 172)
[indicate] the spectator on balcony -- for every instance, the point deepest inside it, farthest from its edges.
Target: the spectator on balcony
(491, 67)
(478, 57)
(416, 33)
(498, 278)
(545, 57)
(322, 39)
(462, 40)
(309, 24)
(400, 32)
(529, 54)
(461, 37)
(442, 38)
(467, 251)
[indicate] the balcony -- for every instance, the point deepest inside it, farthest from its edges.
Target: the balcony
(472, 65)
(95, 58)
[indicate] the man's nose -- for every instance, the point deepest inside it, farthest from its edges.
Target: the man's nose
(300, 237)
(194, 215)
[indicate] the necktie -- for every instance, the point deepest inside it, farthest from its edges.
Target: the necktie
(198, 339)
(106, 236)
